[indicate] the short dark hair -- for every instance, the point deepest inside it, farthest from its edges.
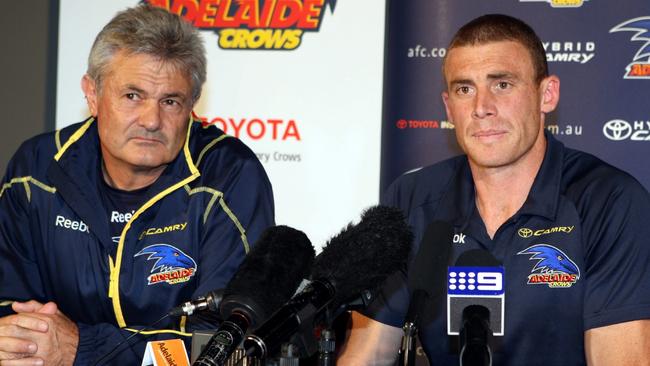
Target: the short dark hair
(498, 27)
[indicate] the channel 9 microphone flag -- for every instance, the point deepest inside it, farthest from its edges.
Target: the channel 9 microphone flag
(476, 279)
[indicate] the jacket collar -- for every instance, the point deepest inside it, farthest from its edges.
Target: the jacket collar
(75, 173)
(544, 195)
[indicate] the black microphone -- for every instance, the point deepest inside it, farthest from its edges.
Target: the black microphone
(426, 279)
(266, 279)
(476, 299)
(356, 260)
(474, 337)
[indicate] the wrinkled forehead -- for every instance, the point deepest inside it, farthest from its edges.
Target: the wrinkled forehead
(127, 58)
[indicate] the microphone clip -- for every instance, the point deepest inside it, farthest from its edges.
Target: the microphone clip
(209, 301)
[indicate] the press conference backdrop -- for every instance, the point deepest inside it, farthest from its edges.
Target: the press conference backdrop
(311, 109)
(599, 49)
(302, 88)
(306, 94)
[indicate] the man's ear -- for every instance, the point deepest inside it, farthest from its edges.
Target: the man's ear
(550, 92)
(89, 89)
(445, 99)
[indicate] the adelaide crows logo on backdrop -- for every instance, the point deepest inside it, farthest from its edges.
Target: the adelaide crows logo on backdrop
(170, 265)
(252, 24)
(639, 68)
(553, 267)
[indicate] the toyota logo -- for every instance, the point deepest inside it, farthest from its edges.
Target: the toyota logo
(617, 130)
(525, 232)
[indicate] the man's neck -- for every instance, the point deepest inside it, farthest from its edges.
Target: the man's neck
(127, 179)
(502, 191)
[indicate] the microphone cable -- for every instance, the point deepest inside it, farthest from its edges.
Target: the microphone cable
(97, 362)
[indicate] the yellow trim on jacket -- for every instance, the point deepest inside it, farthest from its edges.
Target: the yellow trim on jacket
(114, 283)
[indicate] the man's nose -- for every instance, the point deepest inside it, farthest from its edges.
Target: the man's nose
(150, 116)
(484, 104)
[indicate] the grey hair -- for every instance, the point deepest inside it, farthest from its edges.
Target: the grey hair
(149, 30)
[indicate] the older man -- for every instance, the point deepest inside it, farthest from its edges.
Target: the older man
(590, 219)
(107, 224)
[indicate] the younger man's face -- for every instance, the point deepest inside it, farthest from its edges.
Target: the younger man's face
(495, 102)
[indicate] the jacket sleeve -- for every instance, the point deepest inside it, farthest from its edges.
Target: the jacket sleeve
(614, 214)
(19, 274)
(240, 212)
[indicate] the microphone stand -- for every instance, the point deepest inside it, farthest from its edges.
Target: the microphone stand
(407, 350)
(326, 348)
(289, 355)
(327, 339)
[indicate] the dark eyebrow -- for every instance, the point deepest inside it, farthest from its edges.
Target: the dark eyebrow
(502, 75)
(174, 95)
(461, 82)
(135, 89)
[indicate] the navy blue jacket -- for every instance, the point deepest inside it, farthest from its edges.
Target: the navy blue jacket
(200, 218)
(576, 255)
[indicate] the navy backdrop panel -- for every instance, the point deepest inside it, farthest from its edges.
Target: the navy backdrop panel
(604, 109)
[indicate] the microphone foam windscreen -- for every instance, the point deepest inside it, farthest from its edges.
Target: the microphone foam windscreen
(273, 269)
(477, 258)
(429, 269)
(361, 256)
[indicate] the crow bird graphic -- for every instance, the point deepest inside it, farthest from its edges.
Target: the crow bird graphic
(550, 260)
(167, 257)
(641, 28)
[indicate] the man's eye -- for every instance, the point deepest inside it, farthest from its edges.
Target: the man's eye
(503, 85)
(463, 90)
(131, 96)
(170, 102)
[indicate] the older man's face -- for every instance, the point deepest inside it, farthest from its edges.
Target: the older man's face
(142, 112)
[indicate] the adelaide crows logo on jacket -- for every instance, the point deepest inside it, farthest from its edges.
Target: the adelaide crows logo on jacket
(553, 267)
(170, 265)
